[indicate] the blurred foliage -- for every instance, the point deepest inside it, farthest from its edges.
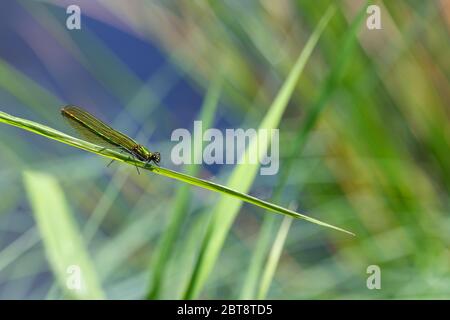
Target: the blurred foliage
(374, 159)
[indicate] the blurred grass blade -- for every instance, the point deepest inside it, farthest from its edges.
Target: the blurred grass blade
(181, 201)
(18, 247)
(64, 138)
(295, 149)
(274, 257)
(258, 258)
(63, 243)
(27, 91)
(242, 177)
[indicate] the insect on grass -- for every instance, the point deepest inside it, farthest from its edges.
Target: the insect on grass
(99, 133)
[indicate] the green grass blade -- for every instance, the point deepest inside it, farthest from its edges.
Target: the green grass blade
(181, 201)
(258, 258)
(242, 177)
(87, 146)
(81, 144)
(241, 196)
(25, 90)
(274, 257)
(63, 243)
(18, 247)
(331, 83)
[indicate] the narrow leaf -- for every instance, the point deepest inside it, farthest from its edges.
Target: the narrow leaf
(64, 138)
(66, 252)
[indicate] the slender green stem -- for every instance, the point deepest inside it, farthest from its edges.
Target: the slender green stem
(274, 257)
(78, 143)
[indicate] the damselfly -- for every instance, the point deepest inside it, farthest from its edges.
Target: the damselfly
(99, 133)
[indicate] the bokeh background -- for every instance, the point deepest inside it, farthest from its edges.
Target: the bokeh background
(371, 109)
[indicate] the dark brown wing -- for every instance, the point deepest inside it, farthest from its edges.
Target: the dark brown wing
(95, 130)
(88, 135)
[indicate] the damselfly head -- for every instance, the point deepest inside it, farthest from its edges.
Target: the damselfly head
(156, 157)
